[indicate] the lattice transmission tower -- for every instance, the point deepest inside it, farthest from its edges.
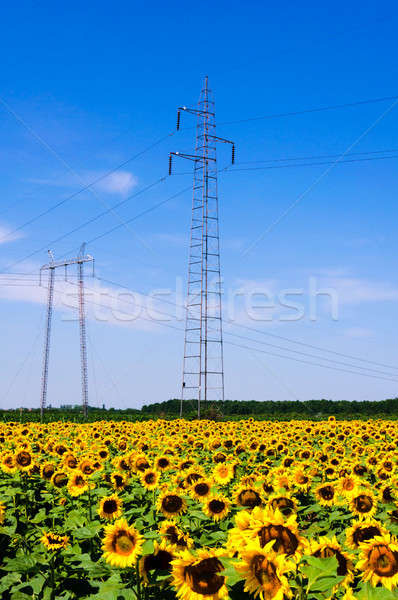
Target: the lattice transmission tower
(203, 364)
(51, 268)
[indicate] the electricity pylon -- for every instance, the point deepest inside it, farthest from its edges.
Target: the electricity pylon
(51, 267)
(203, 364)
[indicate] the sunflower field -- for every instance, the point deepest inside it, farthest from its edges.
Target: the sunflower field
(199, 510)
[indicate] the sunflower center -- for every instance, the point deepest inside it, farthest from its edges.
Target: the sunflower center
(286, 540)
(60, 480)
(23, 459)
(172, 534)
(48, 472)
(159, 562)
(203, 577)
(388, 495)
(201, 489)
(150, 478)
(363, 503)
(216, 506)
(124, 544)
(285, 505)
(142, 464)
(172, 503)
(365, 533)
(249, 498)
(79, 481)
(163, 463)
(301, 479)
(110, 506)
(383, 561)
(327, 492)
(265, 573)
(349, 484)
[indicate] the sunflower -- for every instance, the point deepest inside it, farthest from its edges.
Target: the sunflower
(140, 463)
(171, 504)
(2, 513)
(263, 571)
(122, 544)
(174, 536)
(379, 561)
(59, 479)
(363, 503)
(247, 496)
(77, 484)
(198, 576)
(201, 489)
(70, 461)
(223, 473)
(150, 479)
(327, 547)
(23, 459)
(325, 493)
(363, 531)
(216, 507)
(387, 493)
(8, 464)
(87, 467)
(301, 479)
(159, 560)
(53, 541)
(110, 507)
(266, 525)
(348, 484)
(118, 481)
(47, 470)
(162, 463)
(285, 502)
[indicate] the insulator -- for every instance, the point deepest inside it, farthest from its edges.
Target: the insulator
(233, 154)
(170, 159)
(178, 119)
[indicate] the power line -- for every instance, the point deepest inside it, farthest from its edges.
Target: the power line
(337, 362)
(255, 330)
(280, 337)
(310, 363)
(313, 164)
(319, 156)
(310, 110)
(256, 349)
(84, 188)
(250, 348)
(88, 222)
(160, 312)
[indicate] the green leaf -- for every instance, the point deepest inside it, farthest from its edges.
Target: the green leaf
(88, 532)
(368, 592)
(148, 547)
(8, 580)
(40, 517)
(20, 564)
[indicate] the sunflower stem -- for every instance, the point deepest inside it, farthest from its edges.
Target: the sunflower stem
(52, 578)
(137, 571)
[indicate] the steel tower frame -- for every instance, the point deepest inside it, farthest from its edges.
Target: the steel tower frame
(51, 268)
(203, 363)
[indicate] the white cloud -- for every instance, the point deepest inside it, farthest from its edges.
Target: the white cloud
(120, 182)
(108, 305)
(7, 235)
(353, 290)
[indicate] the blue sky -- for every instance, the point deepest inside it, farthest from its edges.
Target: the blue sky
(86, 87)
